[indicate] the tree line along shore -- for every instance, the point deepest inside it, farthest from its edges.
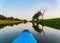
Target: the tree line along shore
(53, 23)
(10, 20)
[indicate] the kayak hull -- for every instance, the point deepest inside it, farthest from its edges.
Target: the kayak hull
(25, 37)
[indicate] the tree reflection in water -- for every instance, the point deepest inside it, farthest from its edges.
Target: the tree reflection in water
(38, 28)
(4, 25)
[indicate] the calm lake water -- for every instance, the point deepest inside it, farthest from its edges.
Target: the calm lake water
(45, 35)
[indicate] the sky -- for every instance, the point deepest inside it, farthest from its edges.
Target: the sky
(25, 9)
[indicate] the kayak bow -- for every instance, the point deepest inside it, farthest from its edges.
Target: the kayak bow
(25, 37)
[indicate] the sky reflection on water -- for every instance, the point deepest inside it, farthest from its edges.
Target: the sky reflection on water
(50, 35)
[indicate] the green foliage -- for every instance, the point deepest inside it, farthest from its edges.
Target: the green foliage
(2, 17)
(54, 23)
(10, 20)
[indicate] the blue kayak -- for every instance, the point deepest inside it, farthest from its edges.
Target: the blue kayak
(25, 37)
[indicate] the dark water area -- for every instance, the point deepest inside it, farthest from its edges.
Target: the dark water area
(41, 33)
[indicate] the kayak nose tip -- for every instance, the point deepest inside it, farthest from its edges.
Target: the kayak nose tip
(26, 30)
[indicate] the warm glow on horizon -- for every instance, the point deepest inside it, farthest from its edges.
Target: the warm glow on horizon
(25, 9)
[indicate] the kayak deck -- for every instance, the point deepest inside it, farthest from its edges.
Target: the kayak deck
(25, 37)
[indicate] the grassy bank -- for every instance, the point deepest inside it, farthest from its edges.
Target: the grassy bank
(54, 23)
(11, 21)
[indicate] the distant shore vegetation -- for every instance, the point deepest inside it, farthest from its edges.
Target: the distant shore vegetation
(10, 20)
(54, 23)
